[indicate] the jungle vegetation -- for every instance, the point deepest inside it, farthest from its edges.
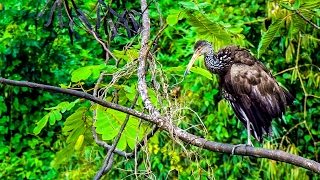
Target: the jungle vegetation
(95, 47)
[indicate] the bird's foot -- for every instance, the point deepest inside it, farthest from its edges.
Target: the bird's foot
(238, 145)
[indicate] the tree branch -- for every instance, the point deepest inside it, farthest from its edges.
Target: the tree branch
(143, 54)
(186, 137)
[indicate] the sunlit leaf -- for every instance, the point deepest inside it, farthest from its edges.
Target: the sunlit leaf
(79, 143)
(57, 115)
(107, 124)
(202, 72)
(76, 116)
(189, 5)
(235, 30)
(207, 29)
(122, 144)
(72, 126)
(311, 4)
(174, 16)
(75, 133)
(52, 119)
(269, 36)
(95, 72)
(82, 73)
(40, 125)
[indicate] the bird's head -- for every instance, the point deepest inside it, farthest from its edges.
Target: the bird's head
(200, 48)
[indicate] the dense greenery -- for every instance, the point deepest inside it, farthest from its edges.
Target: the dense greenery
(46, 135)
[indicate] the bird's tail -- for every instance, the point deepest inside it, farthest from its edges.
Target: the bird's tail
(289, 97)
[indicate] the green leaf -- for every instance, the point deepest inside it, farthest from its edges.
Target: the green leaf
(63, 155)
(286, 5)
(58, 115)
(131, 133)
(62, 104)
(76, 116)
(311, 5)
(95, 72)
(189, 5)
(268, 36)
(82, 73)
(202, 72)
(207, 29)
(72, 126)
(40, 125)
(307, 138)
(70, 105)
(174, 16)
(128, 55)
(75, 133)
(296, 4)
(52, 119)
(311, 148)
(106, 125)
(235, 30)
(79, 143)
(110, 69)
(122, 144)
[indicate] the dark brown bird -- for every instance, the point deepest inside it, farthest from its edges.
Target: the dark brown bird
(253, 93)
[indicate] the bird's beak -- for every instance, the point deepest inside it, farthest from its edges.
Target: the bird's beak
(193, 59)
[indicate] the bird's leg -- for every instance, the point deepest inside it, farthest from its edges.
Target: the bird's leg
(249, 139)
(249, 134)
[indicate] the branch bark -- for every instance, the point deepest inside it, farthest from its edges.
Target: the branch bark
(143, 55)
(186, 137)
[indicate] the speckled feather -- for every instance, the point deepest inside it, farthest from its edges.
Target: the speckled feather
(248, 85)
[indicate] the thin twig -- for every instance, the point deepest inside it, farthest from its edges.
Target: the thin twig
(104, 47)
(311, 23)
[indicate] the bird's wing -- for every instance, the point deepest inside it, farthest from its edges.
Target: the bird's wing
(258, 97)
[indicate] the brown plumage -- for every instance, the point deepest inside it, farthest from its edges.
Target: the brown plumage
(249, 87)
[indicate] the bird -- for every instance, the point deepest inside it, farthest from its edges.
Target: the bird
(252, 91)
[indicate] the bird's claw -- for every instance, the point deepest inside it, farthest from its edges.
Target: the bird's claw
(238, 145)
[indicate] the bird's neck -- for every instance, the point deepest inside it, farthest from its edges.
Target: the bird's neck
(217, 63)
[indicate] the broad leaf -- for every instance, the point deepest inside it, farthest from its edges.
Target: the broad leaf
(108, 125)
(269, 36)
(82, 73)
(174, 16)
(207, 29)
(202, 72)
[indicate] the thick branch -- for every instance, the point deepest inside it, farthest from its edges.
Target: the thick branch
(186, 137)
(143, 54)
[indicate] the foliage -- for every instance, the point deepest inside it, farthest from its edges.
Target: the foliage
(272, 30)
